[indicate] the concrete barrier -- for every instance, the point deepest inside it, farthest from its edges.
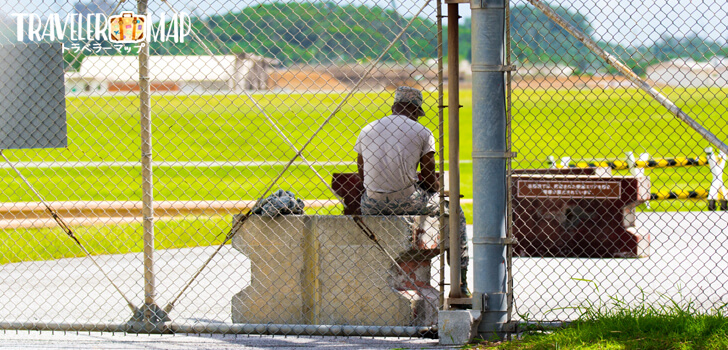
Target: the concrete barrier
(325, 270)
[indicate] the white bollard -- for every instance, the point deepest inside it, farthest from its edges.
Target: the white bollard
(631, 163)
(645, 157)
(636, 171)
(565, 162)
(717, 191)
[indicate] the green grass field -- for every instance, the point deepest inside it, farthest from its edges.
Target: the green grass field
(582, 124)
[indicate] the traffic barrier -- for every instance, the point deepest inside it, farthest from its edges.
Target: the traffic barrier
(716, 194)
(624, 165)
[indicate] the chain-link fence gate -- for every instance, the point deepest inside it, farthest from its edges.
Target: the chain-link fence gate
(181, 117)
(248, 98)
(626, 206)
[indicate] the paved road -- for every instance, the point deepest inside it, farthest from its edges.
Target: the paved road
(47, 340)
(688, 260)
(73, 290)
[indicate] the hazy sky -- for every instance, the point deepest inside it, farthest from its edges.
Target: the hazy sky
(624, 22)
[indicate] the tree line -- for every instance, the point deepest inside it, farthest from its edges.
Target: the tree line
(327, 32)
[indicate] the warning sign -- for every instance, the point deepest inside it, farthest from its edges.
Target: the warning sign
(569, 189)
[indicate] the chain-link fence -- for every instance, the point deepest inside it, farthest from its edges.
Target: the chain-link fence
(180, 118)
(629, 210)
(168, 153)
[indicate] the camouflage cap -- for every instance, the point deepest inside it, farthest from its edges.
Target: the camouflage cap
(406, 94)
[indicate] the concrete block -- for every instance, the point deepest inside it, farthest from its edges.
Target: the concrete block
(457, 327)
(325, 270)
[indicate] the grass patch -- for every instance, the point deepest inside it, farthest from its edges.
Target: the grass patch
(583, 124)
(32, 244)
(667, 325)
(35, 244)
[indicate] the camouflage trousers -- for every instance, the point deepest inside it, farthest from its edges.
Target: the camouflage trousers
(419, 203)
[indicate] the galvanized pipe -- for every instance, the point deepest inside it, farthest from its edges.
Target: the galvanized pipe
(224, 328)
(441, 152)
(634, 78)
(145, 110)
(303, 329)
(453, 113)
(489, 167)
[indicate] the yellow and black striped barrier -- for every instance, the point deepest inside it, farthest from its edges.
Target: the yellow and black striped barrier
(699, 193)
(672, 162)
(645, 164)
(615, 165)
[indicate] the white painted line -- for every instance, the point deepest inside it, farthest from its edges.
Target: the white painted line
(189, 164)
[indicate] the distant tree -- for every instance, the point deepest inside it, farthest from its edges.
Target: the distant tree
(464, 39)
(320, 32)
(689, 46)
(539, 39)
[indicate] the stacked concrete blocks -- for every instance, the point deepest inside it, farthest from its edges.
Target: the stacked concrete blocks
(325, 270)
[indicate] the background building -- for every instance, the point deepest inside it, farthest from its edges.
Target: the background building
(688, 72)
(185, 74)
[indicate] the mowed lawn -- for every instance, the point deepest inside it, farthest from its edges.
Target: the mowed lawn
(582, 124)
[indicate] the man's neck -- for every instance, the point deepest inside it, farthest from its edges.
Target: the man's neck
(412, 118)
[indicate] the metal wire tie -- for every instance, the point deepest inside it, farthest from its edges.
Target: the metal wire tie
(497, 155)
(479, 67)
(494, 240)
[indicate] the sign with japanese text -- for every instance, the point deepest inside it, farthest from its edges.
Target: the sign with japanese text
(569, 189)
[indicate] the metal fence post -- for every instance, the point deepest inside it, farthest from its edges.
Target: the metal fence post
(489, 166)
(453, 111)
(150, 313)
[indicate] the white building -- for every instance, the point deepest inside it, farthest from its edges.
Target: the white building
(540, 70)
(690, 73)
(184, 74)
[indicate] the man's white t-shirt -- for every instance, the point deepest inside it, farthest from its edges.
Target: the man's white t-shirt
(391, 148)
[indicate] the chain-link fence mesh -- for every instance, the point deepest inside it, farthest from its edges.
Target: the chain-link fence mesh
(627, 211)
(251, 97)
(249, 100)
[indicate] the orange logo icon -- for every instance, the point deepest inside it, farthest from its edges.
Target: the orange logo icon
(127, 28)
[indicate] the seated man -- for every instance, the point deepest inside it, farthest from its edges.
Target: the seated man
(389, 151)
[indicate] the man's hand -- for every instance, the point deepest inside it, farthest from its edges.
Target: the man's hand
(427, 167)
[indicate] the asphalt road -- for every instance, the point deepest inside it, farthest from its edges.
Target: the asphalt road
(687, 263)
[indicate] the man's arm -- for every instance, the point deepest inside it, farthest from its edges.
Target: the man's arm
(360, 165)
(427, 167)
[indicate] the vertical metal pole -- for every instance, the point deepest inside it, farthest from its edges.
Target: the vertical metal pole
(441, 152)
(453, 109)
(145, 106)
(489, 167)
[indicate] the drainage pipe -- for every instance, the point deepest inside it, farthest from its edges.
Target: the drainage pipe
(489, 166)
